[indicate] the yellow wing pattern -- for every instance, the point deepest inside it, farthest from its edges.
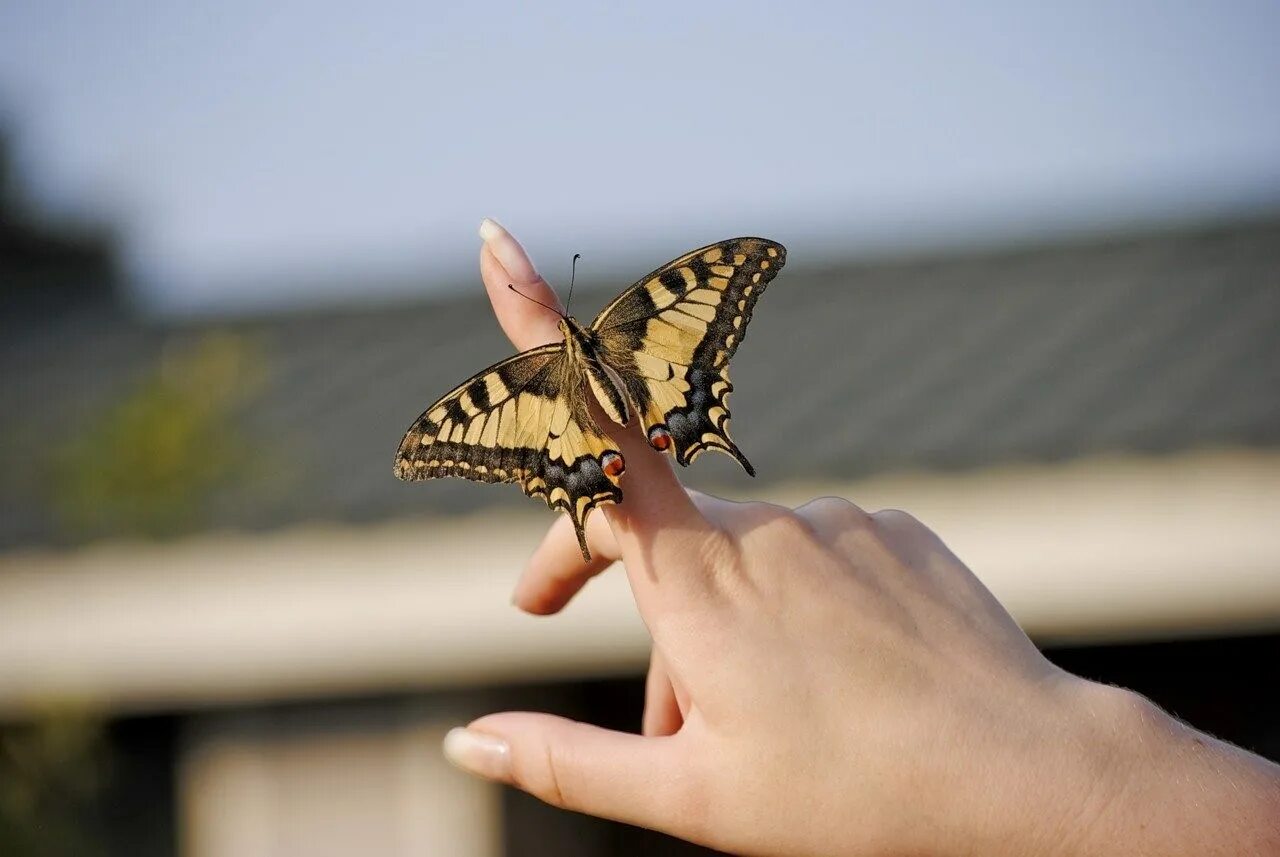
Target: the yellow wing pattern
(524, 420)
(666, 341)
(671, 336)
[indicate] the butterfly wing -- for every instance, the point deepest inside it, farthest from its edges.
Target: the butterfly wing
(671, 336)
(524, 420)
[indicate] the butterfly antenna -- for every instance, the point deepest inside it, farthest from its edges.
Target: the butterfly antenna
(535, 300)
(573, 273)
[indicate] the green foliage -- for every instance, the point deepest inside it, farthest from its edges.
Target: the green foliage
(150, 462)
(52, 774)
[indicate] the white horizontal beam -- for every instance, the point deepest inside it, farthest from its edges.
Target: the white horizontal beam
(1092, 551)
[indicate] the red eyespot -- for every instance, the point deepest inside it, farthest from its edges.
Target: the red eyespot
(660, 438)
(612, 465)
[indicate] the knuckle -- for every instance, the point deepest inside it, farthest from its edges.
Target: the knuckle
(780, 521)
(540, 772)
(718, 549)
(724, 557)
(837, 509)
(895, 519)
(555, 780)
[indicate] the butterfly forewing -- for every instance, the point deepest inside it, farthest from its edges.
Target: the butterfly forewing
(524, 420)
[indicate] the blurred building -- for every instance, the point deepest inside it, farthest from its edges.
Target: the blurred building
(204, 553)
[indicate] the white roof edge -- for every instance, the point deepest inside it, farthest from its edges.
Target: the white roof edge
(1097, 550)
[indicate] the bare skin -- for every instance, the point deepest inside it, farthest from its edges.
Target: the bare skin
(827, 681)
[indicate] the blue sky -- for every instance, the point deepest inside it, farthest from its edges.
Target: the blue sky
(267, 153)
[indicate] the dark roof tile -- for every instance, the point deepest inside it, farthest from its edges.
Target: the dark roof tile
(1155, 343)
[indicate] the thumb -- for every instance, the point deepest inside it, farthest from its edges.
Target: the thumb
(578, 766)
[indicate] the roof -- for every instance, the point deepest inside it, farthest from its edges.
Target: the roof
(1147, 343)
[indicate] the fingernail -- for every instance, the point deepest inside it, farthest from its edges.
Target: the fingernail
(490, 229)
(508, 251)
(479, 754)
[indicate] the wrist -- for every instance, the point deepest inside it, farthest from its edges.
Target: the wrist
(1149, 783)
(1045, 774)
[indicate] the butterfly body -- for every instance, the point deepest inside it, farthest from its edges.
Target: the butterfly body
(582, 348)
(658, 353)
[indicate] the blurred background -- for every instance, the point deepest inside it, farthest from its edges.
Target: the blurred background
(1032, 296)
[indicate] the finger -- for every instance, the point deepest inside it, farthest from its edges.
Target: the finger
(504, 263)
(577, 766)
(556, 571)
(662, 715)
(656, 515)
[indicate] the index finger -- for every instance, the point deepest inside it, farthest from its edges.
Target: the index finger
(503, 263)
(656, 513)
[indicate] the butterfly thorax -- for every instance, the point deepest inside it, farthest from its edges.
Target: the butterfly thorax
(584, 355)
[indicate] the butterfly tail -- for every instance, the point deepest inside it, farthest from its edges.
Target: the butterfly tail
(580, 527)
(720, 443)
(730, 448)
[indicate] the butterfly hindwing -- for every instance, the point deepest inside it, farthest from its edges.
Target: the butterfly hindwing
(671, 336)
(524, 420)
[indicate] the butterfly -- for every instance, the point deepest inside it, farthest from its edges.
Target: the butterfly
(658, 353)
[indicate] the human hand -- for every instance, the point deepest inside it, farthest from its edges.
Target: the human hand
(823, 681)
